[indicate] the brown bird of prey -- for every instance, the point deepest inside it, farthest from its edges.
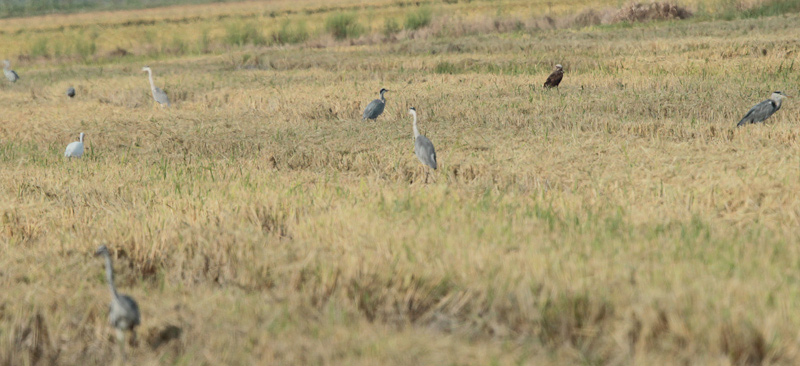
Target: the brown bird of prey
(555, 78)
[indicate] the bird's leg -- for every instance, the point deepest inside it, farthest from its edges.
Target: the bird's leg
(121, 341)
(133, 338)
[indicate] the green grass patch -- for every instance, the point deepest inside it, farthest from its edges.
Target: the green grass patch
(419, 18)
(39, 48)
(733, 9)
(445, 67)
(20, 8)
(390, 26)
(238, 34)
(344, 25)
(177, 46)
(291, 32)
(772, 8)
(85, 45)
(204, 43)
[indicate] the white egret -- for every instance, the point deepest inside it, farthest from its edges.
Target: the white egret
(75, 149)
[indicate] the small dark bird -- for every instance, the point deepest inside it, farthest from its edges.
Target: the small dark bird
(555, 78)
(71, 92)
(761, 111)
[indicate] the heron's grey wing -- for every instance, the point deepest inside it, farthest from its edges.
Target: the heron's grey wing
(11, 75)
(131, 310)
(759, 112)
(425, 151)
(160, 96)
(374, 109)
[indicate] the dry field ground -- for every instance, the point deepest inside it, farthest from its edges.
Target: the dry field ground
(619, 220)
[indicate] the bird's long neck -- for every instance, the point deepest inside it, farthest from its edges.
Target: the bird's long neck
(777, 101)
(382, 98)
(110, 277)
(416, 131)
(150, 75)
(81, 138)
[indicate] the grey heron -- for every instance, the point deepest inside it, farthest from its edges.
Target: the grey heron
(71, 92)
(763, 110)
(423, 147)
(123, 311)
(11, 75)
(555, 77)
(75, 149)
(375, 107)
(159, 95)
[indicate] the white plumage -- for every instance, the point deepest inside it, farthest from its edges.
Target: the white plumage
(75, 149)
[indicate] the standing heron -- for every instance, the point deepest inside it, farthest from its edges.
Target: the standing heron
(375, 107)
(555, 77)
(123, 312)
(71, 92)
(423, 147)
(159, 95)
(11, 75)
(75, 149)
(763, 110)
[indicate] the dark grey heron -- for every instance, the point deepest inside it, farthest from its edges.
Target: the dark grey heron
(159, 95)
(123, 312)
(71, 92)
(555, 77)
(763, 110)
(375, 107)
(11, 75)
(423, 147)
